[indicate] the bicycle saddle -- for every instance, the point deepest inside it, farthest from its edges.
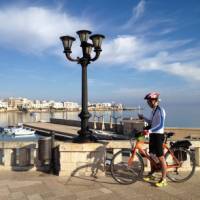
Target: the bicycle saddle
(169, 134)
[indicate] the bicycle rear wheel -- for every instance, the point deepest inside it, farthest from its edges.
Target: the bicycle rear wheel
(123, 173)
(187, 167)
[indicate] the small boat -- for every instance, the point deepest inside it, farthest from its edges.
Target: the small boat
(18, 131)
(22, 132)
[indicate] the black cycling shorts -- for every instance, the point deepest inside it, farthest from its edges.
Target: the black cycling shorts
(156, 144)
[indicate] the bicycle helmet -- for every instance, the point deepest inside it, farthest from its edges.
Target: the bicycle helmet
(152, 95)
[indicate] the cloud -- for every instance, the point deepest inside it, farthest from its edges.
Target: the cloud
(171, 56)
(36, 29)
(94, 82)
(187, 71)
(138, 11)
(121, 49)
(167, 31)
(139, 23)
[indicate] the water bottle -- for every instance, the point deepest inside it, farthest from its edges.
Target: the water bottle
(154, 158)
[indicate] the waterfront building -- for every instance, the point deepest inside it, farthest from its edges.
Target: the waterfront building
(15, 103)
(36, 101)
(106, 105)
(71, 105)
(46, 104)
(24, 104)
(58, 105)
(99, 106)
(117, 106)
(37, 104)
(3, 104)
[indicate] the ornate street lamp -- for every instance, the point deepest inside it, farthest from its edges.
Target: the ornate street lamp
(85, 135)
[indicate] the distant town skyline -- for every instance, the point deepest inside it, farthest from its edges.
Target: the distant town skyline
(25, 104)
(150, 46)
(43, 99)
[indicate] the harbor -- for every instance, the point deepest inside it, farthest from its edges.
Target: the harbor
(99, 100)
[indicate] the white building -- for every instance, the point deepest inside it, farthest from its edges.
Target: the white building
(14, 103)
(3, 104)
(101, 105)
(70, 105)
(58, 105)
(36, 101)
(37, 104)
(117, 106)
(46, 104)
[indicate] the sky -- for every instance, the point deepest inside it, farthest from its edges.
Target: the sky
(150, 45)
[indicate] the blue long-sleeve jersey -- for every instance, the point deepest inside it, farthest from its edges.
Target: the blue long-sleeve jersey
(157, 120)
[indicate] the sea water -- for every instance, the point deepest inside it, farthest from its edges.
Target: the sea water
(176, 116)
(5, 137)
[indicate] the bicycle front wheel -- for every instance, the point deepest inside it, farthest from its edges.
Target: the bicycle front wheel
(122, 172)
(187, 164)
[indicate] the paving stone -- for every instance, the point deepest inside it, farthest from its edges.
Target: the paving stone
(4, 191)
(35, 197)
(18, 184)
(4, 183)
(105, 190)
(32, 186)
(47, 195)
(17, 196)
(108, 197)
(66, 197)
(34, 190)
(88, 193)
(57, 188)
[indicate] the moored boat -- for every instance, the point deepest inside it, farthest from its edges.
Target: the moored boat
(17, 132)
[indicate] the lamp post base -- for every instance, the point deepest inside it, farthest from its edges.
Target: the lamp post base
(86, 138)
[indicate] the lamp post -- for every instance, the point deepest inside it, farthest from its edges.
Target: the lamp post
(84, 133)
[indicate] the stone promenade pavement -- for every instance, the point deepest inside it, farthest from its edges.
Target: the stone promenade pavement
(40, 186)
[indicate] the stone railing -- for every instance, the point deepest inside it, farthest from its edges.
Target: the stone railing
(88, 159)
(20, 156)
(17, 155)
(93, 158)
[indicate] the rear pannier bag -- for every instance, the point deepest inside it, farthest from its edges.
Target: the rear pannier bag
(181, 155)
(182, 143)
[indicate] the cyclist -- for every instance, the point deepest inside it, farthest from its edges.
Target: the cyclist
(155, 131)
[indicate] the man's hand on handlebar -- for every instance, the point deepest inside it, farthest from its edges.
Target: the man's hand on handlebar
(145, 133)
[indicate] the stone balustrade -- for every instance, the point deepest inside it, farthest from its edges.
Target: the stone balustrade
(88, 159)
(18, 155)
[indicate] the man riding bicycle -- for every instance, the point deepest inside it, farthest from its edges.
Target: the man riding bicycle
(156, 135)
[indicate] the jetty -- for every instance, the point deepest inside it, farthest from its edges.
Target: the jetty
(69, 128)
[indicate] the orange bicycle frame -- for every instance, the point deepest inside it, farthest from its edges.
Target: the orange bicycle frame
(138, 146)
